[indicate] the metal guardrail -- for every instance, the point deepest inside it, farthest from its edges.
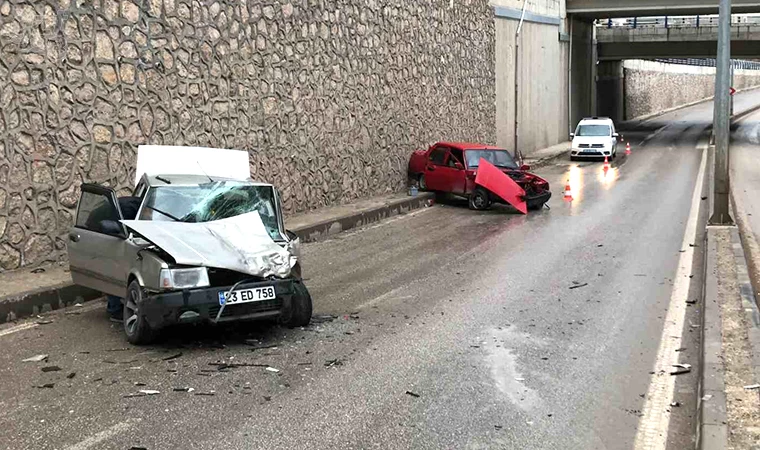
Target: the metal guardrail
(676, 21)
(737, 63)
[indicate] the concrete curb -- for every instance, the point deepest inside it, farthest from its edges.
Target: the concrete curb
(321, 230)
(37, 301)
(712, 429)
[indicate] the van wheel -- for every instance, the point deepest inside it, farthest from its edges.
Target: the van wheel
(136, 328)
(479, 199)
(299, 313)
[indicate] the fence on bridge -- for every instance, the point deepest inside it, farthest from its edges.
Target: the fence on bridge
(677, 21)
(737, 63)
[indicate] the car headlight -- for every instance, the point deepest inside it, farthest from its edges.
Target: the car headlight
(195, 277)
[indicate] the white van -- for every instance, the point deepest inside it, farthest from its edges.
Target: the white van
(594, 137)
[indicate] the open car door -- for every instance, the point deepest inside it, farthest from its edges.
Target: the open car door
(97, 242)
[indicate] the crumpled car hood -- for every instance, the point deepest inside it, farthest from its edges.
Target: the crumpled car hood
(239, 243)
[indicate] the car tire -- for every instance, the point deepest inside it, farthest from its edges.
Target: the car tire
(299, 313)
(421, 182)
(573, 158)
(479, 200)
(136, 327)
(535, 206)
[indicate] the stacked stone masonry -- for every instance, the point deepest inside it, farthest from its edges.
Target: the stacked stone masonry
(652, 87)
(328, 96)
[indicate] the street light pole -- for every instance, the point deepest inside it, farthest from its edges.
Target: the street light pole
(721, 118)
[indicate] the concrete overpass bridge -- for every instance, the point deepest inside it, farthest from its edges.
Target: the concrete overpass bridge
(691, 41)
(602, 9)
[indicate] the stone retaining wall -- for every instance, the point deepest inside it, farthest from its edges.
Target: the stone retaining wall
(329, 97)
(652, 87)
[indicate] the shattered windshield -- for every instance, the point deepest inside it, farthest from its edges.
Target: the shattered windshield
(212, 201)
(499, 158)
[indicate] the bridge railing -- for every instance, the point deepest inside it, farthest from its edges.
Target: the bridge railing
(676, 21)
(708, 62)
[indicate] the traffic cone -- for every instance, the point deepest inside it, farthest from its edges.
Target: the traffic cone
(606, 164)
(627, 148)
(568, 192)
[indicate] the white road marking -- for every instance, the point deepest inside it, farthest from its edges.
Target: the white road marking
(652, 433)
(17, 328)
(108, 433)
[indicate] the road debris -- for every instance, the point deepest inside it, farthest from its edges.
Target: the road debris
(415, 395)
(519, 379)
(681, 369)
(578, 285)
(51, 369)
(272, 369)
(675, 404)
(71, 375)
(44, 322)
(46, 386)
(170, 357)
(207, 394)
(140, 384)
(223, 366)
(682, 349)
(333, 362)
(38, 270)
(138, 448)
(149, 392)
(183, 389)
(267, 398)
(322, 318)
(752, 387)
(38, 358)
(691, 302)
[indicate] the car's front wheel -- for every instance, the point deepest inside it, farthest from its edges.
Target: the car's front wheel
(479, 199)
(136, 327)
(299, 313)
(422, 182)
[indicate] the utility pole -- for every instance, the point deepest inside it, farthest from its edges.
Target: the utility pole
(518, 153)
(721, 118)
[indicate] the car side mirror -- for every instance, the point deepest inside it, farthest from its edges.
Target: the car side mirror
(294, 244)
(111, 227)
(524, 168)
(572, 135)
(615, 135)
(458, 165)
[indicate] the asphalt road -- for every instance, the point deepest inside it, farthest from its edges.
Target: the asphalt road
(471, 312)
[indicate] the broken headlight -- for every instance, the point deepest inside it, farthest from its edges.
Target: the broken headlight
(196, 277)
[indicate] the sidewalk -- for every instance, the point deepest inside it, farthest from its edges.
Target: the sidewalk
(730, 406)
(29, 292)
(544, 156)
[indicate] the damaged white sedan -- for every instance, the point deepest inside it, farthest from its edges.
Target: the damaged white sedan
(198, 240)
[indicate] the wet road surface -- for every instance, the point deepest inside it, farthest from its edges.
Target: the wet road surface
(443, 328)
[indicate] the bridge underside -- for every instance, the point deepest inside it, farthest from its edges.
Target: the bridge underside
(610, 51)
(602, 9)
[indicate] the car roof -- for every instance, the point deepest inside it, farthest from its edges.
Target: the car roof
(192, 180)
(469, 146)
(597, 120)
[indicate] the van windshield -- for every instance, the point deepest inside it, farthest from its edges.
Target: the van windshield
(593, 130)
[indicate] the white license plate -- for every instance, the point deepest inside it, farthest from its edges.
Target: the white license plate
(590, 150)
(247, 295)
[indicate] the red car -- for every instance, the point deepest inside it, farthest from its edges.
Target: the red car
(451, 167)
